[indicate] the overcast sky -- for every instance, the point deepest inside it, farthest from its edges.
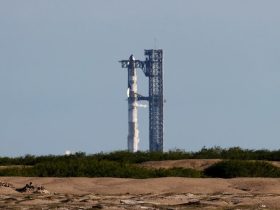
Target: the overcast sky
(62, 88)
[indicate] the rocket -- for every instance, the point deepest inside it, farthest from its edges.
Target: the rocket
(133, 132)
(152, 67)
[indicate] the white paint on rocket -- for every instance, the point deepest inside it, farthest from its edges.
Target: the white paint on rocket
(133, 132)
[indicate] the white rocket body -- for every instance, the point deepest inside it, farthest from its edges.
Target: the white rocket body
(133, 132)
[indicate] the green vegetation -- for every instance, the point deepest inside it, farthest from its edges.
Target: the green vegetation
(79, 167)
(105, 168)
(234, 153)
(242, 168)
(124, 164)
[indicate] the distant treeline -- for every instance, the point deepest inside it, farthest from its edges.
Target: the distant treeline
(234, 153)
(237, 163)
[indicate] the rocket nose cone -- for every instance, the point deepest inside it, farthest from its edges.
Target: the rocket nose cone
(132, 57)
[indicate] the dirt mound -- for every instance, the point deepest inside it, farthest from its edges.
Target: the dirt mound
(6, 188)
(197, 164)
(6, 184)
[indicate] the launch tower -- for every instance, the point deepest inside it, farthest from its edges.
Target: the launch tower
(153, 69)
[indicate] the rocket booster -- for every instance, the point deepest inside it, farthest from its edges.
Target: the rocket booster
(133, 132)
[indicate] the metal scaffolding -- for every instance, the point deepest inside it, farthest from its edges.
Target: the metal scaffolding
(154, 70)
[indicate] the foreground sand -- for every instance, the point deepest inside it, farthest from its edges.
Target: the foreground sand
(158, 193)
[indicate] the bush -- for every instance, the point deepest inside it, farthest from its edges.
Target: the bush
(234, 153)
(242, 168)
(82, 167)
(17, 171)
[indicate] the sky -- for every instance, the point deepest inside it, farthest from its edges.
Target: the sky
(62, 88)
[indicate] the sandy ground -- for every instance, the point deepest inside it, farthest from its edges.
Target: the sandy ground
(158, 193)
(198, 164)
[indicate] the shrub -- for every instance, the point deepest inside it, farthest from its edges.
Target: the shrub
(81, 167)
(242, 168)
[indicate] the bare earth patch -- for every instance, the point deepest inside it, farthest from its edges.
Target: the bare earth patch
(158, 193)
(197, 164)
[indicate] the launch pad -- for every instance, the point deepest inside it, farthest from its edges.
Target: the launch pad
(153, 69)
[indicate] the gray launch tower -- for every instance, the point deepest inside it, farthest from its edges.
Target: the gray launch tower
(153, 69)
